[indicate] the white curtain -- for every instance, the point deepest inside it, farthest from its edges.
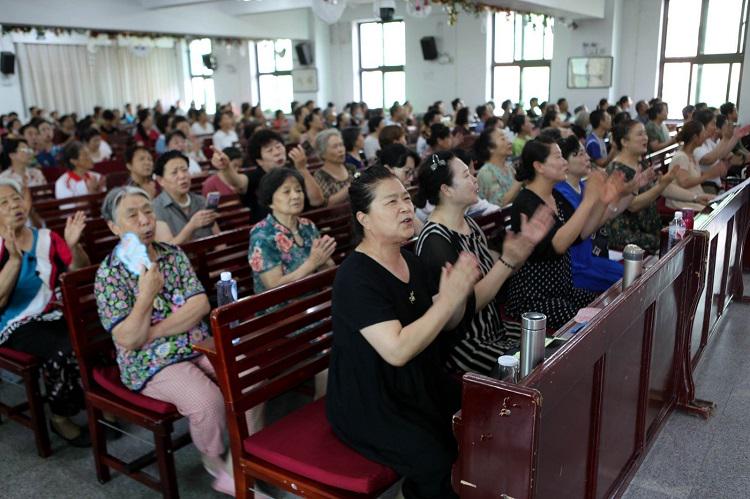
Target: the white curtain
(70, 78)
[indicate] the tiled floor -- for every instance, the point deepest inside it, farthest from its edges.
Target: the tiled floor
(695, 458)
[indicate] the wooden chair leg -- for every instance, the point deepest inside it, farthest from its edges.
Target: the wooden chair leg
(36, 412)
(242, 484)
(165, 460)
(98, 443)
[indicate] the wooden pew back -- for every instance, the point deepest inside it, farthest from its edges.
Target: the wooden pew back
(580, 423)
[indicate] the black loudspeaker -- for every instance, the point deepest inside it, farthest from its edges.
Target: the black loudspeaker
(304, 53)
(7, 63)
(429, 48)
(209, 61)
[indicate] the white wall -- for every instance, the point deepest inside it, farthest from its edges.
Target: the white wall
(11, 98)
(462, 73)
(233, 79)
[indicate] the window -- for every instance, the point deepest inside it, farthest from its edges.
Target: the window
(382, 54)
(521, 56)
(274, 63)
(201, 76)
(702, 52)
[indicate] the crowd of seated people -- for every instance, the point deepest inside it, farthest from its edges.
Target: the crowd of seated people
(574, 184)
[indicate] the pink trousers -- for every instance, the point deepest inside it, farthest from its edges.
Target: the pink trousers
(190, 386)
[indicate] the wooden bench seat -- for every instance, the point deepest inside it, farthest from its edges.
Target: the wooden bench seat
(258, 357)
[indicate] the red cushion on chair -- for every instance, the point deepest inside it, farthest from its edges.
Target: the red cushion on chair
(109, 379)
(304, 444)
(17, 356)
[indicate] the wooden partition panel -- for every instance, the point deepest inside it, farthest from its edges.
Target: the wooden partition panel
(602, 397)
(728, 228)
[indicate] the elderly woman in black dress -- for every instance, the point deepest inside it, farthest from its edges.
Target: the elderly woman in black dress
(387, 396)
(446, 182)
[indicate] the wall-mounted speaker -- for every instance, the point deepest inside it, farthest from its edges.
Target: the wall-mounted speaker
(429, 48)
(210, 61)
(304, 53)
(7, 63)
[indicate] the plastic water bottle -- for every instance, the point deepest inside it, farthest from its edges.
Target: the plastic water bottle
(226, 292)
(226, 289)
(676, 230)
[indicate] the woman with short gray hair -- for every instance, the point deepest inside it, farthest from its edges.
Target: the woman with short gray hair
(31, 262)
(335, 175)
(151, 301)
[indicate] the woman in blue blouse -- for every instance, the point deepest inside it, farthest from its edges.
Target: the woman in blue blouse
(592, 269)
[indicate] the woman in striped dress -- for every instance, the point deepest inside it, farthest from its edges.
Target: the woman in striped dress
(446, 182)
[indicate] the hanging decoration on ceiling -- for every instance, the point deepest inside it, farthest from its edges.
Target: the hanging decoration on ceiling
(329, 11)
(419, 8)
(454, 7)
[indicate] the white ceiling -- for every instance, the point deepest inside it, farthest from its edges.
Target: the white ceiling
(579, 9)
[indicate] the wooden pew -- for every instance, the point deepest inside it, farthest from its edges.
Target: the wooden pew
(258, 357)
(582, 421)
(728, 226)
(228, 252)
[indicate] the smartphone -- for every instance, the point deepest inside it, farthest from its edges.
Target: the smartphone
(212, 200)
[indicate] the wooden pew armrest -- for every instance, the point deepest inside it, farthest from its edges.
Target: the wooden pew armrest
(207, 347)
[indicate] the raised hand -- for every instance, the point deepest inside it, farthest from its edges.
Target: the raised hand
(594, 184)
(219, 160)
(668, 177)
(742, 132)
(517, 246)
(298, 157)
(93, 184)
(457, 280)
(74, 228)
(322, 249)
(12, 244)
(718, 170)
(614, 188)
(150, 282)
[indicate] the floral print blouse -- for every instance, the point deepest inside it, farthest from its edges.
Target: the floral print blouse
(495, 182)
(272, 244)
(116, 290)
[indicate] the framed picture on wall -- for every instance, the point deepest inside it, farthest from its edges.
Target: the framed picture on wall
(305, 80)
(590, 72)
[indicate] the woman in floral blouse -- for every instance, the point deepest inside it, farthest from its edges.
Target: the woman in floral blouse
(155, 316)
(285, 247)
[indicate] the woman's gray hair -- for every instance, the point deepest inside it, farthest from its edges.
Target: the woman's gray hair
(12, 184)
(114, 196)
(321, 141)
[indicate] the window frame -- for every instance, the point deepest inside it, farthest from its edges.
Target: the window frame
(383, 69)
(520, 63)
(275, 72)
(700, 58)
(194, 75)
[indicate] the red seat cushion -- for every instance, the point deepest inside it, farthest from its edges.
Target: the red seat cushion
(16, 356)
(109, 379)
(303, 443)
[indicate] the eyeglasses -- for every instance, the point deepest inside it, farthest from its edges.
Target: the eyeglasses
(27, 150)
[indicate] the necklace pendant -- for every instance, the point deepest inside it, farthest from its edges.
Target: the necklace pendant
(412, 299)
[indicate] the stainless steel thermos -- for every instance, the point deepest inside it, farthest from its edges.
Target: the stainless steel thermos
(633, 264)
(533, 332)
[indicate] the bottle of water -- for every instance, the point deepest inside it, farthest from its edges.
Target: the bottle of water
(226, 292)
(226, 289)
(676, 230)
